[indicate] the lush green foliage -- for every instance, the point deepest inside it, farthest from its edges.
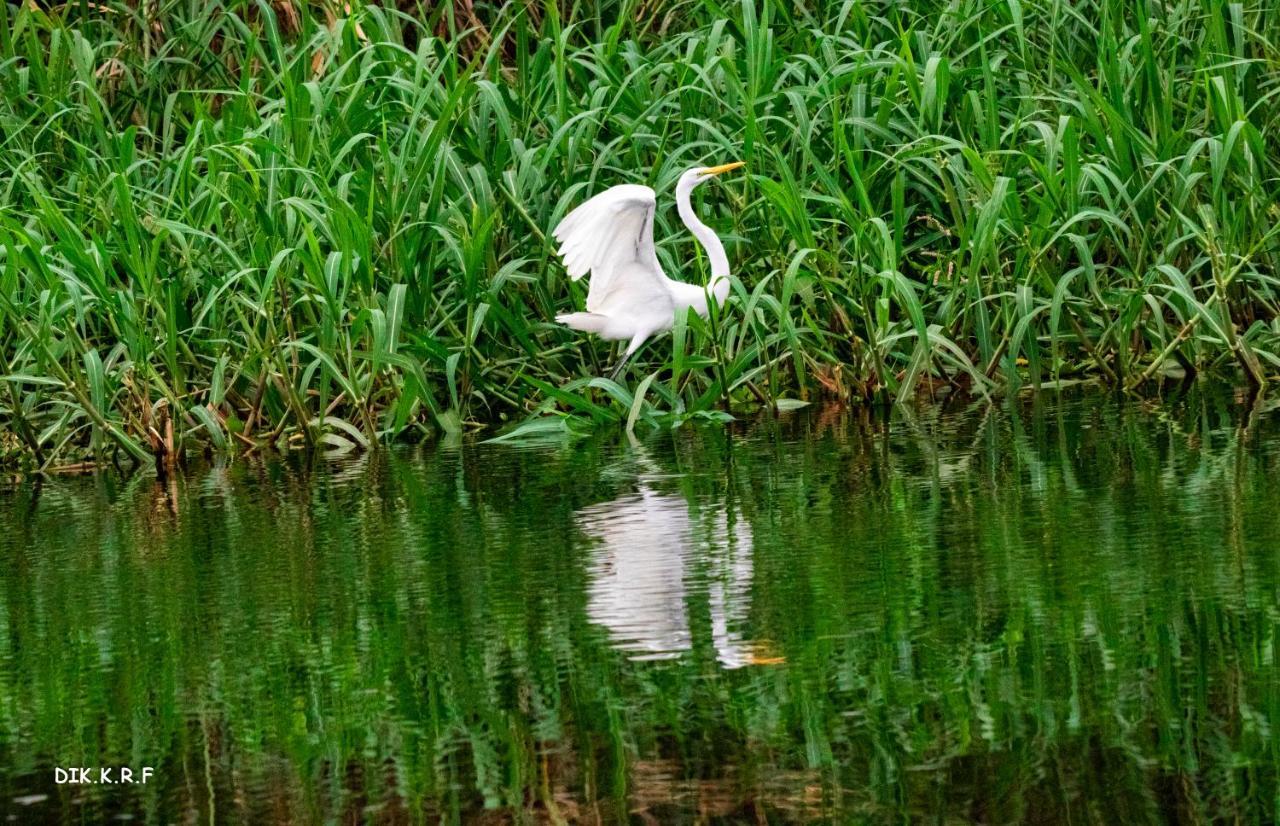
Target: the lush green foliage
(250, 222)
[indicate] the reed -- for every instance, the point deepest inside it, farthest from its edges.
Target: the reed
(239, 225)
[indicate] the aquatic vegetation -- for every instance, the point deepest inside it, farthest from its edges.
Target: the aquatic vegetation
(226, 226)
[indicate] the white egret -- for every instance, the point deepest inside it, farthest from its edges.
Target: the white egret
(629, 297)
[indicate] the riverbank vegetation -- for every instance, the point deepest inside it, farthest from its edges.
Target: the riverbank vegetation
(230, 226)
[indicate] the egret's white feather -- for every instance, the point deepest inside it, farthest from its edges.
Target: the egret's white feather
(611, 237)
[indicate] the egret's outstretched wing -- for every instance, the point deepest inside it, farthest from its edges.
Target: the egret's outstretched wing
(607, 236)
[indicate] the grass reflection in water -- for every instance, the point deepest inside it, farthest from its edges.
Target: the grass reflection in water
(1065, 612)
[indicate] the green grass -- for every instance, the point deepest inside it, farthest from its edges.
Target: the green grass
(229, 226)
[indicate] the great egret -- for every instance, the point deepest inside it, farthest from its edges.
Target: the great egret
(629, 296)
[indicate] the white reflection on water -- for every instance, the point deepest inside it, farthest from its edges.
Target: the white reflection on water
(651, 561)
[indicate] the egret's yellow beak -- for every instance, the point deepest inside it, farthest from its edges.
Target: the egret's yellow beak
(728, 167)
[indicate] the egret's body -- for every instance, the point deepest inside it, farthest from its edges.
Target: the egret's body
(629, 297)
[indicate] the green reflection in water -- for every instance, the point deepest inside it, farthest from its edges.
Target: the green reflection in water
(1057, 614)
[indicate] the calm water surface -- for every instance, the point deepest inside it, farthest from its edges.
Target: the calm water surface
(1059, 612)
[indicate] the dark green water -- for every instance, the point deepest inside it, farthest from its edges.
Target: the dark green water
(1059, 613)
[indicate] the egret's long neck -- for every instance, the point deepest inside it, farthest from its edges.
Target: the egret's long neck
(719, 284)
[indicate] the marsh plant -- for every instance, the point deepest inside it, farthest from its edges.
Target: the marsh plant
(232, 225)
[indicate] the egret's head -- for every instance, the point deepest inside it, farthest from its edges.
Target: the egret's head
(702, 174)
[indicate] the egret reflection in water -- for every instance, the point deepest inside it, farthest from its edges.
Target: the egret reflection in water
(660, 564)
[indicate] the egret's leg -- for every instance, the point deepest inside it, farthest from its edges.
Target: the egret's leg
(631, 348)
(617, 368)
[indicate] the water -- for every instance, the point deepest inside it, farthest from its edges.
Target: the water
(1059, 612)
